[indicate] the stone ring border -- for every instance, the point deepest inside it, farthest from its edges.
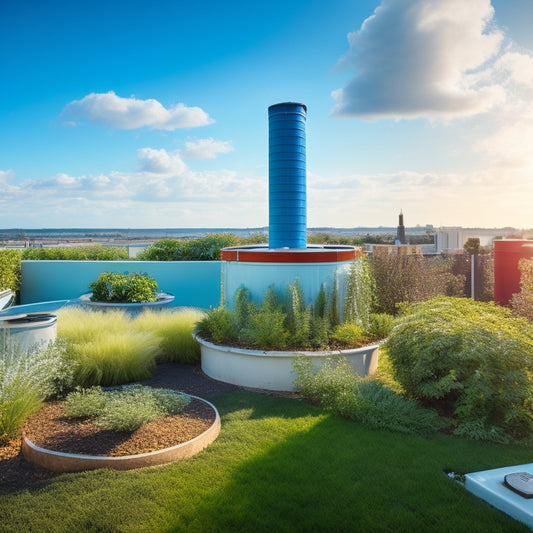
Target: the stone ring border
(73, 462)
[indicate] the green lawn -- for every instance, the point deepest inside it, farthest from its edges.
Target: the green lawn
(278, 465)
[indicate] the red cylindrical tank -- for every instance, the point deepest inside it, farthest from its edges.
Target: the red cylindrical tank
(507, 254)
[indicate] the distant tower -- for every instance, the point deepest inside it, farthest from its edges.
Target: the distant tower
(400, 232)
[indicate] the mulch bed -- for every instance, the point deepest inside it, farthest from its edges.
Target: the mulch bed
(49, 428)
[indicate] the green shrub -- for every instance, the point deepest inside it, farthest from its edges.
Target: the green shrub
(170, 401)
(298, 316)
(204, 249)
(124, 288)
(128, 410)
(26, 379)
(348, 334)
(164, 250)
(381, 325)
(219, 325)
(268, 330)
(125, 409)
(470, 360)
(338, 388)
(10, 269)
(174, 329)
(84, 403)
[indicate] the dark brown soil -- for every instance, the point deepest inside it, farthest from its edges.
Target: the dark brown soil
(50, 429)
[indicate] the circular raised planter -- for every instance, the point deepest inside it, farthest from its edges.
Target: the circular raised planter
(72, 462)
(272, 370)
(28, 331)
(163, 300)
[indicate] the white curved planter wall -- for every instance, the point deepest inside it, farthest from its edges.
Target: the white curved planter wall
(273, 370)
(163, 300)
(28, 332)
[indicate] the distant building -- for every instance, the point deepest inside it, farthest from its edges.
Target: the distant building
(400, 232)
(453, 238)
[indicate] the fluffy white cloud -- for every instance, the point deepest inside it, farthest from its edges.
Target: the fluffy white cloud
(422, 58)
(130, 113)
(161, 161)
(206, 148)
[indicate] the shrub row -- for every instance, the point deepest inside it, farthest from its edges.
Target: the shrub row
(203, 249)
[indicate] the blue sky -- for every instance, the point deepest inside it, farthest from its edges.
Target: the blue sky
(154, 114)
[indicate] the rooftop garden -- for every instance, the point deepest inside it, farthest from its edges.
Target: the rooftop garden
(453, 394)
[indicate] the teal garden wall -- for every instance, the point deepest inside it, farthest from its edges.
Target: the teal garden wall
(193, 283)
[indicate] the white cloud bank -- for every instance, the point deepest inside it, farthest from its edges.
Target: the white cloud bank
(130, 113)
(164, 192)
(422, 58)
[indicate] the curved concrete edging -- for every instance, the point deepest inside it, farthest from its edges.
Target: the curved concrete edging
(72, 462)
(272, 370)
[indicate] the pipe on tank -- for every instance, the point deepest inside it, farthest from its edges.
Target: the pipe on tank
(287, 208)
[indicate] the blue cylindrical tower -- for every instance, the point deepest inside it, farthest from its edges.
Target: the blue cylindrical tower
(287, 207)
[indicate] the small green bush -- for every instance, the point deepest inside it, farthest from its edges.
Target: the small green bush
(84, 403)
(129, 410)
(219, 325)
(125, 409)
(381, 325)
(348, 334)
(471, 361)
(338, 388)
(124, 288)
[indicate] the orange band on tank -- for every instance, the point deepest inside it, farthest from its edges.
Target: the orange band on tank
(306, 255)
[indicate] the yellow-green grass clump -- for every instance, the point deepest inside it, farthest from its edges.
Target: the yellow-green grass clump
(105, 348)
(174, 328)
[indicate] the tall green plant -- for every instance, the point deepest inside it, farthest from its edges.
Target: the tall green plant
(298, 315)
(359, 297)
(333, 307)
